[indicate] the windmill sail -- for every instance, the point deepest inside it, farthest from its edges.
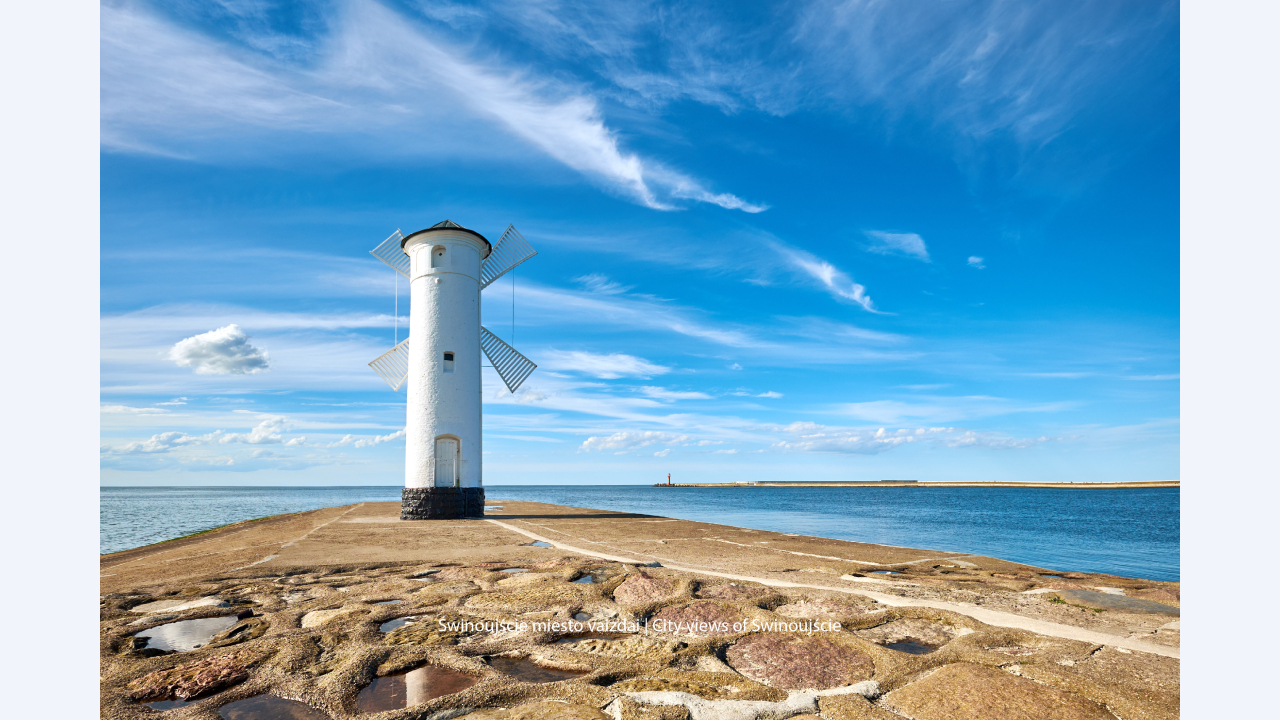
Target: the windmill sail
(393, 365)
(390, 252)
(510, 251)
(512, 367)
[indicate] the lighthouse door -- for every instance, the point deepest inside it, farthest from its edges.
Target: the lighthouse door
(446, 462)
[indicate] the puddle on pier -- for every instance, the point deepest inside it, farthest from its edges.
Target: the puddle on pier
(911, 647)
(524, 670)
(269, 707)
(163, 705)
(539, 543)
(388, 602)
(1055, 577)
(885, 572)
(403, 690)
(390, 625)
(186, 635)
(589, 580)
(514, 570)
(581, 617)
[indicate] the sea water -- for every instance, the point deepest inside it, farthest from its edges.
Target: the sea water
(1132, 533)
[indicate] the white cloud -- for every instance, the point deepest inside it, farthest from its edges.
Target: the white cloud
(828, 276)
(724, 452)
(126, 410)
(770, 394)
(735, 366)
(977, 263)
(373, 69)
(606, 367)
(599, 283)
(225, 351)
(267, 432)
(662, 453)
(887, 243)
(632, 440)
(659, 393)
(379, 439)
(175, 401)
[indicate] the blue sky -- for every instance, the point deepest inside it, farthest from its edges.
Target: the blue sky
(859, 240)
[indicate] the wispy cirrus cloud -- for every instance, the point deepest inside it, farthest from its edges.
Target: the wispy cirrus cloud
(605, 366)
(905, 244)
(376, 69)
(833, 280)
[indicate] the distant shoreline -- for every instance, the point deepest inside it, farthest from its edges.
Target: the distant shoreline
(911, 483)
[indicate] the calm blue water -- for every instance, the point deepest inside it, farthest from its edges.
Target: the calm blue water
(1133, 533)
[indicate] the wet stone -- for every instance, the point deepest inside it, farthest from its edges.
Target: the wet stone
(799, 662)
(192, 680)
(700, 619)
(640, 589)
(270, 707)
(185, 635)
(388, 602)
(524, 670)
(414, 687)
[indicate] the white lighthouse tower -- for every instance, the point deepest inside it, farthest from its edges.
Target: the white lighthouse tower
(447, 266)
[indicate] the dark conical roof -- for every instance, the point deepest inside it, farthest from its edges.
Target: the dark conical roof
(451, 225)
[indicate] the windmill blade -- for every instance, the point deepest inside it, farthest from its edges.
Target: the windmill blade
(510, 251)
(512, 367)
(390, 252)
(393, 365)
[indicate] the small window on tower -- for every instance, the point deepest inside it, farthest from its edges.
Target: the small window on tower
(437, 256)
(448, 362)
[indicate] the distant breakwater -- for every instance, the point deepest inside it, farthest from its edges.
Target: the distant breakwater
(916, 483)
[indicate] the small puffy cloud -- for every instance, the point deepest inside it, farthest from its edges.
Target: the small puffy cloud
(162, 442)
(906, 244)
(267, 432)
(626, 440)
(225, 351)
(605, 367)
(977, 263)
(659, 393)
(735, 366)
(770, 394)
(724, 452)
(601, 284)
(175, 401)
(662, 453)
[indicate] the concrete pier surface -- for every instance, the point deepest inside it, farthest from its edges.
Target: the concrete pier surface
(646, 617)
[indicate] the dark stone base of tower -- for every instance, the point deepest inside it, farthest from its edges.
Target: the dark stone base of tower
(441, 503)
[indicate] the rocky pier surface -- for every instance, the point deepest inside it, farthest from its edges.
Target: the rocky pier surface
(560, 612)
